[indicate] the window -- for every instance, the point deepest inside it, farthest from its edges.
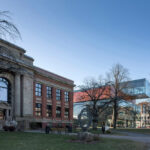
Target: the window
(49, 92)
(144, 108)
(38, 89)
(66, 96)
(38, 109)
(66, 112)
(4, 90)
(58, 95)
(49, 111)
(58, 112)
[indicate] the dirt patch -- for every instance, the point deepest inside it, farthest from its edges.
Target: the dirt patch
(83, 142)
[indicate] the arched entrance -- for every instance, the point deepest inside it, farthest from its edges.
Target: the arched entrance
(5, 99)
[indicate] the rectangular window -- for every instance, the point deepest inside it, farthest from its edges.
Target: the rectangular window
(58, 95)
(66, 96)
(66, 112)
(38, 89)
(58, 112)
(38, 109)
(49, 92)
(49, 111)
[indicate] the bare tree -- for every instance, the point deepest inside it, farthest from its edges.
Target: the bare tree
(118, 78)
(93, 91)
(7, 28)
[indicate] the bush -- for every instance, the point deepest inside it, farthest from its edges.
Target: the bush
(108, 131)
(89, 140)
(96, 138)
(12, 128)
(9, 128)
(6, 128)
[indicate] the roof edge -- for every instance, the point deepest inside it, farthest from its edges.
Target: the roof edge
(12, 45)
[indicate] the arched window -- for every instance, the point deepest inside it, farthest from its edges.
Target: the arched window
(4, 90)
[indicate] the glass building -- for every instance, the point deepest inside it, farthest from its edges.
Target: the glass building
(141, 89)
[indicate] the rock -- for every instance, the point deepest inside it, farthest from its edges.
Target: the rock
(85, 136)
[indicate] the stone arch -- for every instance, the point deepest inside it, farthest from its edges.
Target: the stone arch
(10, 79)
(8, 106)
(5, 90)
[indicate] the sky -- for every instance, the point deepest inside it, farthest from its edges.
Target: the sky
(83, 38)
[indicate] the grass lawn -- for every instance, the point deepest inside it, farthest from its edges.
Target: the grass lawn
(37, 141)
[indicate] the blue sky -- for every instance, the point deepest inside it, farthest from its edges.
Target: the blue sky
(80, 38)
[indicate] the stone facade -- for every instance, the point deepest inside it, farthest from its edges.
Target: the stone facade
(18, 69)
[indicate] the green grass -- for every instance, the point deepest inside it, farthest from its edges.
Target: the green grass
(37, 141)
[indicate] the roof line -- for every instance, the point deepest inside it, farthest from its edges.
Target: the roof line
(54, 74)
(13, 45)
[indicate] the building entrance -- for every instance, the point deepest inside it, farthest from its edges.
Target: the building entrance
(2, 114)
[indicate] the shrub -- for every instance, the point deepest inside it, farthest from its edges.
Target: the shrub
(12, 128)
(96, 138)
(9, 128)
(6, 128)
(89, 140)
(108, 131)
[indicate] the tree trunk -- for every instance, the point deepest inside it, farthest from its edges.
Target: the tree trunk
(95, 117)
(115, 115)
(94, 125)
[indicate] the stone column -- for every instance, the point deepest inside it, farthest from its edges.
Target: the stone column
(17, 95)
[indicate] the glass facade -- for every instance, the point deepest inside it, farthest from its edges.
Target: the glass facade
(138, 87)
(132, 112)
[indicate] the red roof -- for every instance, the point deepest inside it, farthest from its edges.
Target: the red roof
(80, 96)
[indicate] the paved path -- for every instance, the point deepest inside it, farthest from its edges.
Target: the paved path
(134, 137)
(137, 137)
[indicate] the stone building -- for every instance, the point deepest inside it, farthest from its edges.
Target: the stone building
(29, 94)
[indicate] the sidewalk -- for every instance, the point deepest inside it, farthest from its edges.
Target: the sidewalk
(133, 137)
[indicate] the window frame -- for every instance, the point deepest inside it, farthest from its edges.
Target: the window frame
(66, 96)
(58, 109)
(48, 92)
(38, 109)
(58, 94)
(49, 111)
(38, 89)
(7, 88)
(66, 115)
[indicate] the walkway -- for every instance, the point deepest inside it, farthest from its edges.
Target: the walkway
(137, 137)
